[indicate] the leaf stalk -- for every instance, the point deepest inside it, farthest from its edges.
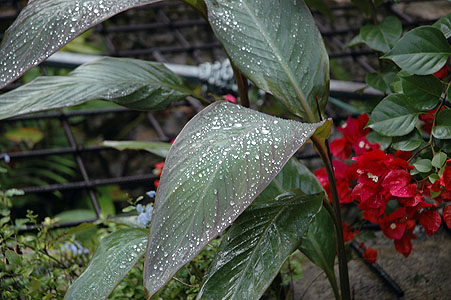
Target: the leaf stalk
(324, 152)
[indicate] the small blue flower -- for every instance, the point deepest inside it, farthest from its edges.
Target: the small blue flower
(5, 157)
(151, 194)
(139, 208)
(75, 248)
(144, 217)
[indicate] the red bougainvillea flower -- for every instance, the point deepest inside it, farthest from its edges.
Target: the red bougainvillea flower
(428, 120)
(344, 176)
(341, 148)
(156, 183)
(445, 179)
(394, 225)
(405, 155)
(398, 183)
(230, 98)
(430, 220)
(348, 235)
(159, 168)
(354, 133)
(355, 129)
(412, 201)
(370, 255)
(362, 146)
(447, 215)
(371, 167)
(443, 72)
(404, 245)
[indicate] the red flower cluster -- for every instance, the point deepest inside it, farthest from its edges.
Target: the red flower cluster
(443, 72)
(428, 119)
(354, 138)
(369, 254)
(344, 177)
(375, 179)
(158, 169)
(348, 235)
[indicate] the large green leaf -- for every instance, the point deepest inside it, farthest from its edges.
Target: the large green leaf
(133, 83)
(383, 36)
(223, 158)
(319, 245)
(442, 129)
(423, 92)
(116, 254)
(44, 26)
(393, 116)
(258, 243)
(223, 279)
(276, 45)
(444, 24)
(158, 148)
(422, 51)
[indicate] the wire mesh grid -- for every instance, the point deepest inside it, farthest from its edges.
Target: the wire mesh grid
(168, 32)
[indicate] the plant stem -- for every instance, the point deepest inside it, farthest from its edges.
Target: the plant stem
(243, 87)
(324, 153)
(203, 100)
(197, 272)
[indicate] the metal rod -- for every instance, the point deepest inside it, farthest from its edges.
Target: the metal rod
(380, 272)
(92, 183)
(81, 166)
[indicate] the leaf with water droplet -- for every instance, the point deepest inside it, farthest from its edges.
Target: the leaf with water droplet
(191, 210)
(261, 239)
(285, 56)
(132, 83)
(319, 245)
(116, 254)
(44, 26)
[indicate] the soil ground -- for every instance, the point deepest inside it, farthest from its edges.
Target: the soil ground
(424, 275)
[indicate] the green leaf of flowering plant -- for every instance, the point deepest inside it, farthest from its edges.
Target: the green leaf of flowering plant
(357, 40)
(393, 116)
(408, 142)
(422, 51)
(423, 92)
(220, 162)
(439, 160)
(382, 140)
(132, 83)
(116, 254)
(382, 79)
(442, 128)
(257, 244)
(285, 56)
(423, 165)
(383, 36)
(44, 26)
(444, 24)
(158, 148)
